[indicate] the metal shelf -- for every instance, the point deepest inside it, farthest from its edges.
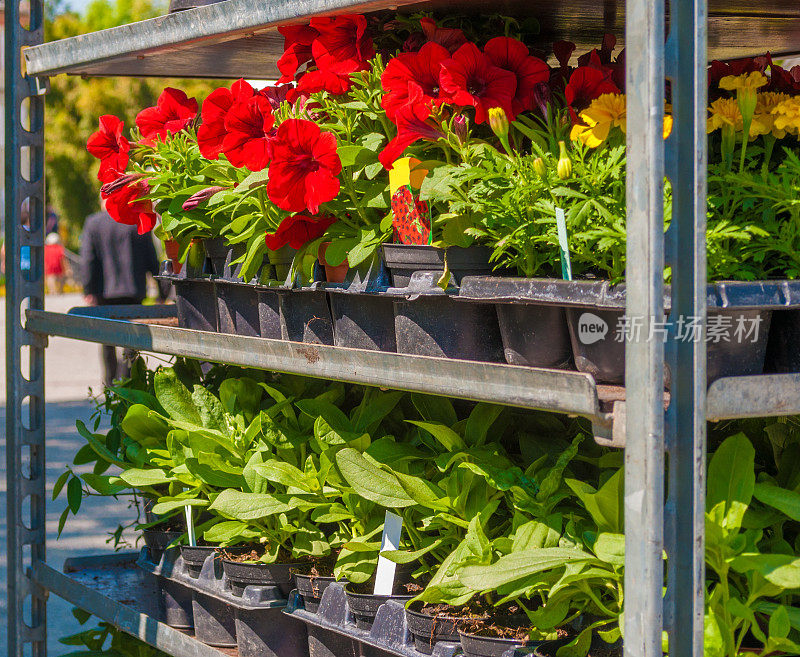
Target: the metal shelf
(238, 38)
(115, 590)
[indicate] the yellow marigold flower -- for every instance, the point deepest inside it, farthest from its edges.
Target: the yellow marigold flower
(745, 81)
(765, 105)
(606, 112)
(667, 125)
(787, 115)
(724, 112)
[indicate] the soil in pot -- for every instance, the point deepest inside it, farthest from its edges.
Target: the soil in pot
(333, 273)
(430, 624)
(402, 260)
(244, 569)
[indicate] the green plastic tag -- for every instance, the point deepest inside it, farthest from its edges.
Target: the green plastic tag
(563, 244)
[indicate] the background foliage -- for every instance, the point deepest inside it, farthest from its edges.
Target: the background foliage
(73, 105)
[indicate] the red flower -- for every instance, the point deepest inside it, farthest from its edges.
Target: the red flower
(109, 146)
(587, 83)
(471, 79)
(172, 113)
(304, 168)
(720, 70)
(413, 68)
(601, 56)
(297, 230)
(563, 51)
(343, 45)
(212, 132)
(297, 41)
(276, 94)
(512, 55)
(784, 81)
(126, 206)
(412, 125)
(450, 38)
(315, 81)
(248, 127)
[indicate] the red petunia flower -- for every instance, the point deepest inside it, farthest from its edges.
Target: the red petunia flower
(512, 55)
(276, 94)
(315, 81)
(126, 206)
(601, 56)
(211, 133)
(172, 113)
(109, 146)
(587, 83)
(343, 45)
(720, 70)
(304, 169)
(297, 41)
(248, 128)
(413, 124)
(298, 230)
(469, 78)
(784, 81)
(413, 68)
(450, 38)
(563, 51)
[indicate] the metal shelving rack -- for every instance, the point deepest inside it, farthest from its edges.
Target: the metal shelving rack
(238, 38)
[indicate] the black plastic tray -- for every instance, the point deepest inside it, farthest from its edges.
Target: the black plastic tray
(253, 622)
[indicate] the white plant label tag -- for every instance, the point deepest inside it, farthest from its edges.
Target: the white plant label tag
(563, 244)
(190, 524)
(384, 576)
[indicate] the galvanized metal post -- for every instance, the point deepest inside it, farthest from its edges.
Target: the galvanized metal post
(24, 251)
(686, 416)
(644, 360)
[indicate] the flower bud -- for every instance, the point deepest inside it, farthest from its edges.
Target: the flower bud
(564, 166)
(498, 122)
(539, 168)
(115, 185)
(200, 197)
(460, 128)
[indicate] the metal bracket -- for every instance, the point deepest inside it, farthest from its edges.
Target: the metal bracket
(611, 433)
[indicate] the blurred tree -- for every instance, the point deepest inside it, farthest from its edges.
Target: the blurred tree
(74, 105)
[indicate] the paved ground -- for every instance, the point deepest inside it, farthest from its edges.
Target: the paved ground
(71, 368)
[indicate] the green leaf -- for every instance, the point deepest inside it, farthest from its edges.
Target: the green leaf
(212, 414)
(371, 482)
(434, 409)
(166, 505)
(237, 505)
(423, 492)
(175, 397)
(786, 501)
(74, 494)
(137, 477)
(104, 484)
(604, 505)
(144, 426)
(404, 556)
(519, 565)
(479, 421)
(731, 481)
(779, 625)
(782, 570)
(448, 438)
(228, 531)
(610, 548)
(284, 473)
(62, 479)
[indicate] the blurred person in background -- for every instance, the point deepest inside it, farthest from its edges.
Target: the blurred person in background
(56, 267)
(115, 261)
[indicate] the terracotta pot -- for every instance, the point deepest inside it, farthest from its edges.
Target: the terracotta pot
(333, 274)
(172, 249)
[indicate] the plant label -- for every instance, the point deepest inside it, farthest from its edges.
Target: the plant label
(563, 244)
(384, 576)
(190, 524)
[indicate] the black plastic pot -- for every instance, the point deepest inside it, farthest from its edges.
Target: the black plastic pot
(484, 646)
(428, 630)
(363, 321)
(157, 541)
(266, 631)
(269, 314)
(176, 605)
(194, 556)
(243, 574)
(218, 253)
(783, 348)
(311, 588)
(196, 304)
(534, 335)
(364, 606)
(306, 316)
(402, 260)
(430, 322)
(238, 309)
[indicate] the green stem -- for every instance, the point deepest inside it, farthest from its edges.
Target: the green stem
(351, 192)
(745, 138)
